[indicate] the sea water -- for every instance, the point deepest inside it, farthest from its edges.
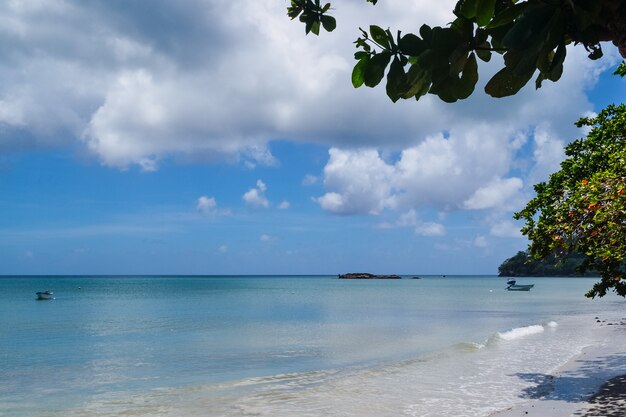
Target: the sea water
(285, 346)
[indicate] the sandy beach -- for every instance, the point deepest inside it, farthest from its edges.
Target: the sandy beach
(592, 384)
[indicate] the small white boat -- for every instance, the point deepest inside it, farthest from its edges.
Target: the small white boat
(44, 295)
(512, 286)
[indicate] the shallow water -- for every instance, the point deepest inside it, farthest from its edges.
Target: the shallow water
(284, 346)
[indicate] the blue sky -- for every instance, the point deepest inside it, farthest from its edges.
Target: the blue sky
(213, 137)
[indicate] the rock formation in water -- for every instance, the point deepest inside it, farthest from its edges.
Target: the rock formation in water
(365, 275)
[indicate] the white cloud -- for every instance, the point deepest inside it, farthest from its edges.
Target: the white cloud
(284, 205)
(223, 249)
(481, 242)
(410, 220)
(309, 180)
(182, 86)
(548, 153)
(363, 179)
(266, 238)
(206, 204)
(499, 193)
(442, 171)
(430, 229)
(506, 228)
(255, 197)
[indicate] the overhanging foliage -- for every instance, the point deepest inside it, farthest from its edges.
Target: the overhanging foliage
(532, 35)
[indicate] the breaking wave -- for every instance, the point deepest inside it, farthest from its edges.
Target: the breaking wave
(520, 332)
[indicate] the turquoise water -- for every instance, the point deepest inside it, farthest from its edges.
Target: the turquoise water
(237, 346)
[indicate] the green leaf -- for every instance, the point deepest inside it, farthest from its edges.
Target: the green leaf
(358, 72)
(507, 15)
(379, 36)
(315, 27)
(621, 69)
(556, 69)
(411, 44)
(418, 82)
(375, 69)
(329, 23)
(467, 8)
(484, 11)
(466, 84)
(528, 31)
(426, 33)
(484, 54)
(396, 81)
(445, 40)
(506, 82)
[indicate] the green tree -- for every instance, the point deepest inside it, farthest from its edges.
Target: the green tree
(532, 35)
(582, 207)
(524, 265)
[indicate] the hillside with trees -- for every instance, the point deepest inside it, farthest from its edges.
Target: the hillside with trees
(524, 265)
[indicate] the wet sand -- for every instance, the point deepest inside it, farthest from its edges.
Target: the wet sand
(591, 385)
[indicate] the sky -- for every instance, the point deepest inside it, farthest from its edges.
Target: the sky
(214, 137)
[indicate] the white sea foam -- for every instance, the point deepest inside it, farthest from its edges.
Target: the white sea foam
(520, 332)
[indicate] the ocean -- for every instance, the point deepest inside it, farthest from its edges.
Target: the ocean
(286, 345)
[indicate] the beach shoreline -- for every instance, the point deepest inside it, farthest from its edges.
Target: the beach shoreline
(591, 384)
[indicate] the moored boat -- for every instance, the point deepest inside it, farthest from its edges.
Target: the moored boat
(511, 285)
(44, 295)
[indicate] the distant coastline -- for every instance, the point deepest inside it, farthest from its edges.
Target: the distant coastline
(524, 265)
(366, 275)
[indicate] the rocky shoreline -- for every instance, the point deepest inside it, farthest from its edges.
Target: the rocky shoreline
(365, 275)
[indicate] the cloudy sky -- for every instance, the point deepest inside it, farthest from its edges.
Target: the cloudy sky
(214, 137)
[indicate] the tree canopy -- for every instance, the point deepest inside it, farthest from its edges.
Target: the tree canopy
(525, 265)
(582, 207)
(532, 35)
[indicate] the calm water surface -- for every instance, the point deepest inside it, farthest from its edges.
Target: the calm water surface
(237, 346)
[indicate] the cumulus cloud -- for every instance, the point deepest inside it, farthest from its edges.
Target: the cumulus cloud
(410, 219)
(363, 179)
(208, 206)
(144, 83)
(444, 171)
(284, 205)
(499, 193)
(255, 197)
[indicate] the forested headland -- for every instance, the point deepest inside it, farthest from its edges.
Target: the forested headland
(523, 264)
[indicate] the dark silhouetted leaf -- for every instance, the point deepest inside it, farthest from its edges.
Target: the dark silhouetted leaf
(396, 81)
(467, 82)
(411, 45)
(484, 11)
(329, 23)
(379, 36)
(375, 69)
(467, 8)
(507, 82)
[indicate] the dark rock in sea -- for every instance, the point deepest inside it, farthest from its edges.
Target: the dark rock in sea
(416, 278)
(365, 275)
